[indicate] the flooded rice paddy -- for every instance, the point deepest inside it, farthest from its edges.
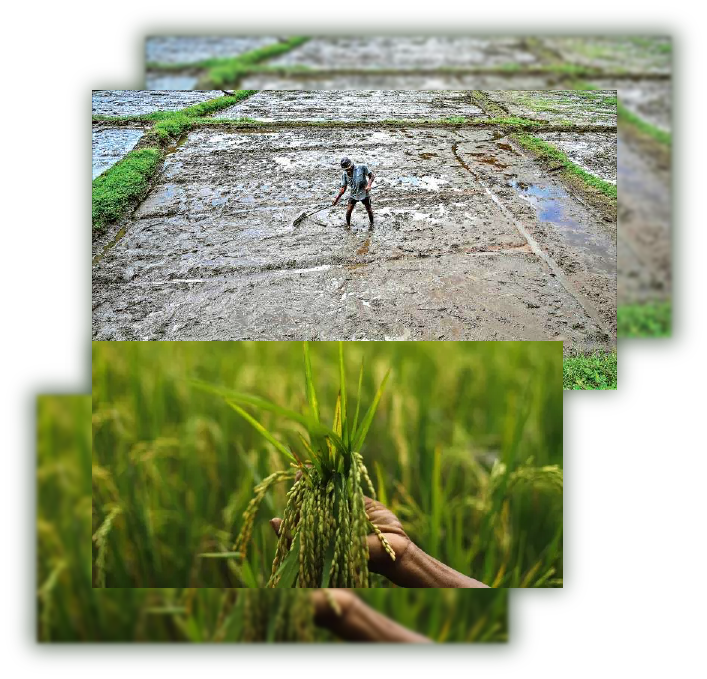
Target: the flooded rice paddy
(353, 105)
(140, 102)
(109, 145)
(178, 49)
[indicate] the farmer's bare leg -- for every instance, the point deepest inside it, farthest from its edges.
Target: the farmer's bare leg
(367, 204)
(349, 210)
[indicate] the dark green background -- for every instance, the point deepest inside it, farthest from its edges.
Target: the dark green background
(75, 376)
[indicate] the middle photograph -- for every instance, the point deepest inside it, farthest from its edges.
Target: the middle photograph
(358, 215)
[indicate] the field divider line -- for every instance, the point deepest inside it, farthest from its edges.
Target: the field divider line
(517, 250)
(555, 269)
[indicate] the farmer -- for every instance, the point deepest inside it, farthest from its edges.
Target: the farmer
(359, 180)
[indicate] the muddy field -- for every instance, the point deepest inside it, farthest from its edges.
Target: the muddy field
(434, 80)
(352, 106)
(593, 152)
(140, 102)
(414, 53)
(178, 49)
(109, 145)
(644, 218)
(472, 240)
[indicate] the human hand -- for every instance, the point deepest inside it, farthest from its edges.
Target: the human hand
(391, 529)
(342, 612)
(379, 561)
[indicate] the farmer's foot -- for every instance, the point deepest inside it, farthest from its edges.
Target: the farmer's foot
(370, 226)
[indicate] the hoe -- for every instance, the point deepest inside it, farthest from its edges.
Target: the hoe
(304, 215)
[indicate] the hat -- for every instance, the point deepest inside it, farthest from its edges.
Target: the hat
(346, 162)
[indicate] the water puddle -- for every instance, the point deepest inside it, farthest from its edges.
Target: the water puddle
(550, 207)
(428, 183)
(489, 160)
(177, 145)
(97, 258)
(363, 250)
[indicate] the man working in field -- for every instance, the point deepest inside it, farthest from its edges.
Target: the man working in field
(359, 180)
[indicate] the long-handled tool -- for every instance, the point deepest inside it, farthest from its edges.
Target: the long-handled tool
(304, 215)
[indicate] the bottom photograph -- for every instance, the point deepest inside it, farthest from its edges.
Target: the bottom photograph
(70, 609)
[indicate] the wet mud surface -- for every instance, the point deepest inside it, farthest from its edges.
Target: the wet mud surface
(571, 106)
(594, 152)
(648, 99)
(170, 81)
(109, 145)
(404, 52)
(438, 80)
(212, 253)
(354, 105)
(139, 102)
(190, 49)
(644, 217)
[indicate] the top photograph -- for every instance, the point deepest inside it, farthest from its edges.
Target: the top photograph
(638, 66)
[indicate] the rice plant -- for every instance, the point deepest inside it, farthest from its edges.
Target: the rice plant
(322, 537)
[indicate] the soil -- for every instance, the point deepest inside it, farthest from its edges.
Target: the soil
(593, 152)
(109, 145)
(171, 81)
(418, 52)
(354, 105)
(211, 253)
(438, 80)
(140, 102)
(644, 260)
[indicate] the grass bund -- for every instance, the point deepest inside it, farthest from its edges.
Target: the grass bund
(592, 371)
(122, 186)
(464, 446)
(653, 319)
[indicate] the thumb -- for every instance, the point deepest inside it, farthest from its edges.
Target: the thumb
(275, 523)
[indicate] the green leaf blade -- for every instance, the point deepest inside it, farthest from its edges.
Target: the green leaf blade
(360, 436)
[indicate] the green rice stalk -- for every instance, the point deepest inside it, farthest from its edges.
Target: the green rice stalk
(100, 537)
(324, 529)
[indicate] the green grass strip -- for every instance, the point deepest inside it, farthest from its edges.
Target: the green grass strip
(645, 320)
(551, 153)
(176, 123)
(594, 371)
(234, 69)
(119, 187)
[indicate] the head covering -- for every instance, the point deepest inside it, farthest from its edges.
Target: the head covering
(346, 163)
